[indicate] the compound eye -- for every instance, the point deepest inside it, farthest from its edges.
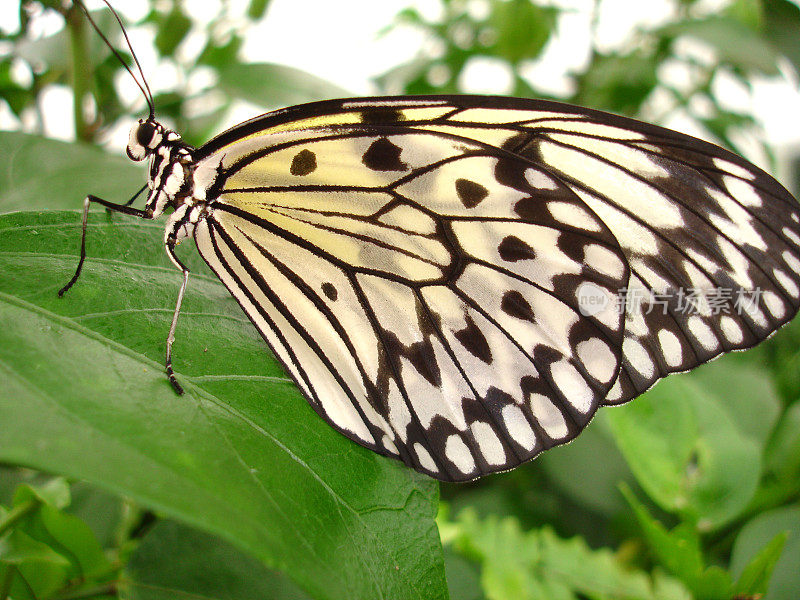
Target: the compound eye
(145, 133)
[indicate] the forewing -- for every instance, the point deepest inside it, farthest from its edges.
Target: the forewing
(423, 290)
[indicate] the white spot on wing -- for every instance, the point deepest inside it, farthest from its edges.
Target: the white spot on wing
(731, 329)
(671, 347)
(743, 192)
(457, 453)
(733, 169)
(598, 359)
(603, 260)
(774, 304)
(539, 180)
(620, 187)
(638, 357)
(424, 458)
(786, 282)
(389, 445)
(518, 427)
(549, 417)
(572, 385)
(490, 445)
(792, 261)
(572, 215)
(703, 333)
(791, 235)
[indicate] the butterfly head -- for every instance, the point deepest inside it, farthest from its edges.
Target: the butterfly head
(144, 138)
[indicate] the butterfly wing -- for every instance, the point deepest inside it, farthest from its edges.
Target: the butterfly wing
(418, 264)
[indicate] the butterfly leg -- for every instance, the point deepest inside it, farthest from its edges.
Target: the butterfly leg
(109, 206)
(172, 327)
(179, 226)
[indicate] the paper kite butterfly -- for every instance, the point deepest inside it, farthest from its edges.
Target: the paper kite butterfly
(441, 275)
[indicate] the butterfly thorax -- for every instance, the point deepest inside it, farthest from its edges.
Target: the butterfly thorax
(171, 165)
(172, 178)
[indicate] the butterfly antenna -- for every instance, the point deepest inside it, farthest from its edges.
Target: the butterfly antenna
(148, 96)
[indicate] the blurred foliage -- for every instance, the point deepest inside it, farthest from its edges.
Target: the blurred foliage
(745, 39)
(690, 492)
(202, 52)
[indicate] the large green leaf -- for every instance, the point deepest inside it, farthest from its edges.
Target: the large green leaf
(241, 455)
(39, 174)
(689, 444)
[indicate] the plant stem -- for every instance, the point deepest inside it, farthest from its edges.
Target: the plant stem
(80, 71)
(17, 513)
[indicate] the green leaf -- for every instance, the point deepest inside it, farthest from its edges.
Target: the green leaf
(39, 570)
(242, 455)
(537, 564)
(18, 548)
(747, 394)
(522, 28)
(175, 561)
(755, 577)
(17, 97)
(679, 551)
(39, 516)
(657, 435)
(463, 579)
(618, 83)
(782, 24)
(101, 511)
(783, 452)
(172, 29)
(756, 535)
(747, 12)
(257, 8)
(36, 169)
(735, 43)
(271, 85)
(221, 57)
(687, 451)
(573, 468)
(54, 493)
(73, 537)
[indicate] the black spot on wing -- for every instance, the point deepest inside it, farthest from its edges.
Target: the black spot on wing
(514, 304)
(383, 155)
(421, 355)
(470, 193)
(303, 163)
(512, 249)
(472, 338)
(381, 114)
(330, 291)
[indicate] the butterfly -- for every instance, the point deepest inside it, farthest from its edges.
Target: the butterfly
(460, 282)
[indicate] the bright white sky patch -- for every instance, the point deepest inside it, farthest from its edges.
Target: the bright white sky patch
(339, 41)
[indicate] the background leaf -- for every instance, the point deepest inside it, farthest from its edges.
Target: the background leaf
(267, 84)
(175, 561)
(785, 580)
